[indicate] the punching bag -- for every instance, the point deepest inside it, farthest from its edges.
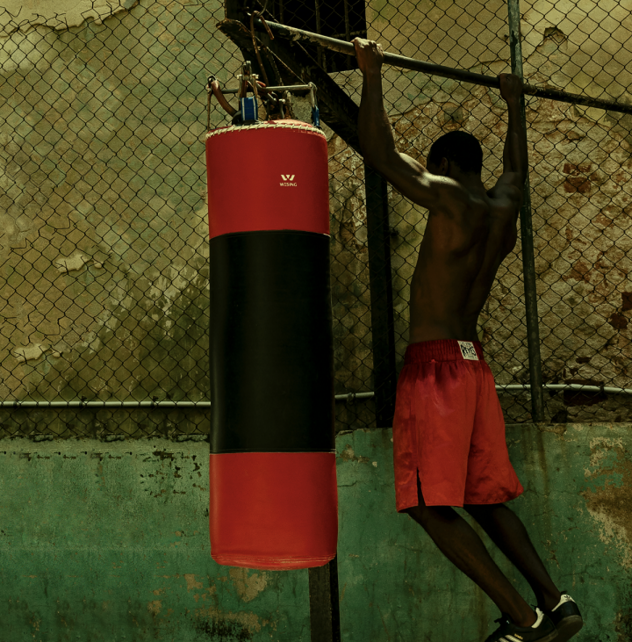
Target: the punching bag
(273, 491)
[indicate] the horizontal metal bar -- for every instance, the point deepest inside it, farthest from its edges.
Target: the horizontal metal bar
(105, 404)
(350, 396)
(287, 88)
(140, 404)
(570, 386)
(403, 62)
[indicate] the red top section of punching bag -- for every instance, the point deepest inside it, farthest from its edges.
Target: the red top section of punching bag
(268, 176)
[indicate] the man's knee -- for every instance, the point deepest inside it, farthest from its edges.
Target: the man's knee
(481, 512)
(424, 514)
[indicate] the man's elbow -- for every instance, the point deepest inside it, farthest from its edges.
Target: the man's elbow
(367, 153)
(521, 169)
(378, 159)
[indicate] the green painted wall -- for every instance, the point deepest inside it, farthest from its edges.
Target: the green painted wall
(110, 542)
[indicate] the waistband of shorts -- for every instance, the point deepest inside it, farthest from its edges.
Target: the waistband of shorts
(440, 350)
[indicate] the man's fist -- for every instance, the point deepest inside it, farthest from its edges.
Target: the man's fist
(511, 87)
(370, 55)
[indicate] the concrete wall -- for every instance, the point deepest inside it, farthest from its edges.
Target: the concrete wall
(111, 542)
(21, 15)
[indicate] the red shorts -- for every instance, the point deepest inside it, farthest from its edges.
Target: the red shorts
(449, 426)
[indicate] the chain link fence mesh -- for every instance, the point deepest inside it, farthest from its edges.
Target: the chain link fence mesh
(104, 265)
(104, 246)
(581, 205)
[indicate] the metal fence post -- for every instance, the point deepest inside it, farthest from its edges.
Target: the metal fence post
(381, 283)
(324, 602)
(526, 232)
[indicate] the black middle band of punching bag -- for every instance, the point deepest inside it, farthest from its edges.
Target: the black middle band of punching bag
(271, 343)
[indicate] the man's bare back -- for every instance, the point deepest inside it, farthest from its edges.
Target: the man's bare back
(470, 229)
(456, 267)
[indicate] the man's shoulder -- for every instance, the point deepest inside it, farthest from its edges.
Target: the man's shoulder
(509, 189)
(462, 205)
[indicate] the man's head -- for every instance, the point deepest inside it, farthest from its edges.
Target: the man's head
(458, 155)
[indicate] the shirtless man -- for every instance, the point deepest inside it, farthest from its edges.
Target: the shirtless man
(449, 445)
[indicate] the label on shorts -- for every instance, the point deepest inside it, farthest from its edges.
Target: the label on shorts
(468, 350)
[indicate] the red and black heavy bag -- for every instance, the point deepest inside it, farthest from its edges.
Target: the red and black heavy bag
(273, 491)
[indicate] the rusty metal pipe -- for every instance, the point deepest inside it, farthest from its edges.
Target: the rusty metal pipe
(265, 89)
(350, 396)
(395, 60)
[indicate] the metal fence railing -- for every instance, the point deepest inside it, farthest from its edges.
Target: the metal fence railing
(104, 246)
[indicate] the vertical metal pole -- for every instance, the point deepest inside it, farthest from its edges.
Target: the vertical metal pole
(526, 231)
(322, 52)
(347, 28)
(382, 324)
(324, 603)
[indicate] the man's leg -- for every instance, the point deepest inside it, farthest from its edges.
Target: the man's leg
(459, 542)
(508, 533)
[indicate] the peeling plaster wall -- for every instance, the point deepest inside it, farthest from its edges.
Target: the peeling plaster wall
(103, 218)
(111, 541)
(581, 192)
(59, 14)
(103, 239)
(577, 508)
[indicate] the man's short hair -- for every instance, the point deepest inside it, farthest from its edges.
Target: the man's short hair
(461, 148)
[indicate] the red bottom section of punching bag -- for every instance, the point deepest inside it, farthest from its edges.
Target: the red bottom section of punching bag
(273, 511)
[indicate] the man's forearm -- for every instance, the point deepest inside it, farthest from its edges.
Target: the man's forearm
(516, 156)
(374, 128)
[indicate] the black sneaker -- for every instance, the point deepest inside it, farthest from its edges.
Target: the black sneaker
(542, 631)
(566, 617)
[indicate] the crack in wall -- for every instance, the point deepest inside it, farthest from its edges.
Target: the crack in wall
(21, 15)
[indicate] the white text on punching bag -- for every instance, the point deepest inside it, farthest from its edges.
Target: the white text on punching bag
(287, 178)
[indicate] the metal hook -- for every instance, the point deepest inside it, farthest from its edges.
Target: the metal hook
(213, 89)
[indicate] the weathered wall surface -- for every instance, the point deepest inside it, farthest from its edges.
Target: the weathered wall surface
(395, 583)
(22, 14)
(112, 543)
(102, 542)
(580, 182)
(103, 250)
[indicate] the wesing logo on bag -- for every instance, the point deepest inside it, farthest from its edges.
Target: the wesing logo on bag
(287, 180)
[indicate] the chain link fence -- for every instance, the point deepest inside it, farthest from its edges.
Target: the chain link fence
(104, 246)
(580, 190)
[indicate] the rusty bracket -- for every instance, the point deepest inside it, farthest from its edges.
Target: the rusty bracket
(336, 108)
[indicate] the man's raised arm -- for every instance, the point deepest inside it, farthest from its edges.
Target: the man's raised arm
(376, 136)
(374, 128)
(515, 156)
